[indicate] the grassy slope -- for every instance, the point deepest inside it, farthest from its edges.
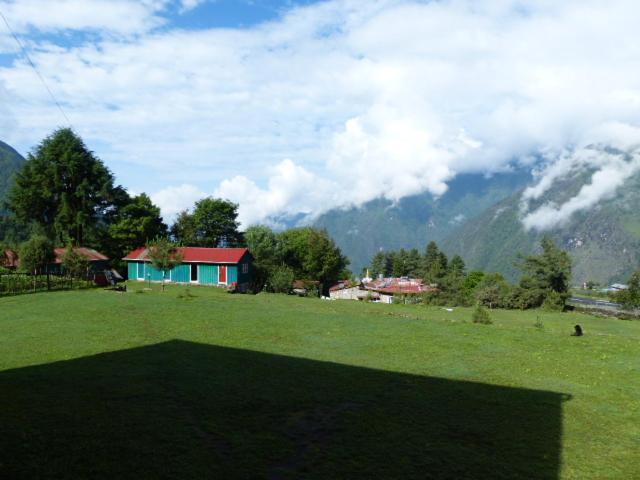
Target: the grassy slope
(278, 387)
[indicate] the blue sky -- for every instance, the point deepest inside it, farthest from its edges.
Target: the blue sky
(294, 108)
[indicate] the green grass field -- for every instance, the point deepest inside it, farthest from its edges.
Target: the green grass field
(97, 384)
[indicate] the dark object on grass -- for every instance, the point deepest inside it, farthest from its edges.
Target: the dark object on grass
(578, 331)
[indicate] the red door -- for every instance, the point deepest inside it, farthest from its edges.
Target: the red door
(223, 274)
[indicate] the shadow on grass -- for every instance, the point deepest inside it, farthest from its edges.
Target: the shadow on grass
(188, 410)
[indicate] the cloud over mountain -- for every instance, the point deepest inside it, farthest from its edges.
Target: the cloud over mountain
(384, 98)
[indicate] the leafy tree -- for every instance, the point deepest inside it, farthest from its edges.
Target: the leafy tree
(549, 271)
(312, 255)
(630, 298)
(74, 263)
(64, 188)
(263, 245)
(135, 224)
(184, 229)
(472, 280)
(36, 254)
(216, 221)
(492, 290)
(164, 256)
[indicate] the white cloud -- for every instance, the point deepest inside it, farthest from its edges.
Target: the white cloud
(173, 200)
(613, 168)
(291, 190)
(186, 5)
(112, 16)
(384, 98)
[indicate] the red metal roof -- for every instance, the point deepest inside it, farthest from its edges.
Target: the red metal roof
(89, 253)
(196, 254)
(398, 285)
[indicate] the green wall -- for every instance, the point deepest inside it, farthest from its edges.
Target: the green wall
(181, 274)
(208, 274)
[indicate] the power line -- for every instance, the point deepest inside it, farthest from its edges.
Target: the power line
(24, 52)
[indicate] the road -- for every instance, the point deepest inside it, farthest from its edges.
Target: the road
(594, 302)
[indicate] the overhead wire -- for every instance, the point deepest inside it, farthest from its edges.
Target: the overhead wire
(35, 69)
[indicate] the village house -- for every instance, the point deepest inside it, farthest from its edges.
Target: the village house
(383, 290)
(97, 261)
(9, 260)
(200, 266)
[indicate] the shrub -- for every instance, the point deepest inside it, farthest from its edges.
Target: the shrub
(539, 325)
(481, 315)
(281, 280)
(554, 301)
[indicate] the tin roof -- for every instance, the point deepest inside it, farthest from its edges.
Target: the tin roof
(89, 253)
(195, 255)
(400, 285)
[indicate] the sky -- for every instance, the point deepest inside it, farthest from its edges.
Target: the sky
(292, 108)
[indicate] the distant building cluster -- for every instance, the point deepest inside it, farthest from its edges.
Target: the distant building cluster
(382, 290)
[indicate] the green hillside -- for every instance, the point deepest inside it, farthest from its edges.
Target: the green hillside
(603, 241)
(416, 220)
(10, 162)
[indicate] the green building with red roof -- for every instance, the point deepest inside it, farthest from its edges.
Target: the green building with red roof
(201, 266)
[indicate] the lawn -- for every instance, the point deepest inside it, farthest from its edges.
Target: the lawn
(98, 384)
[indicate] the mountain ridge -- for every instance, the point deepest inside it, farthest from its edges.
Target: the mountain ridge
(604, 240)
(10, 162)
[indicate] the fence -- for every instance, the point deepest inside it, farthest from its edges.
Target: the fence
(21, 283)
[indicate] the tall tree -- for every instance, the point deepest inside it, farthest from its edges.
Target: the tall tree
(64, 188)
(413, 263)
(184, 229)
(135, 224)
(434, 263)
(457, 266)
(216, 221)
(312, 255)
(263, 245)
(400, 266)
(547, 274)
(381, 264)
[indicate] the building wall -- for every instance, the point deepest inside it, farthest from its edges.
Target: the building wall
(346, 293)
(181, 274)
(244, 278)
(132, 270)
(208, 274)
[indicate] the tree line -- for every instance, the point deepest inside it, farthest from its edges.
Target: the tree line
(66, 196)
(545, 280)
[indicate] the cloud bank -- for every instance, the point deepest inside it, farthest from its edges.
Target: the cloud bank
(342, 102)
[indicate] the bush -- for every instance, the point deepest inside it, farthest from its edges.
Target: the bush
(281, 280)
(554, 301)
(481, 315)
